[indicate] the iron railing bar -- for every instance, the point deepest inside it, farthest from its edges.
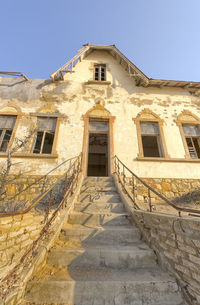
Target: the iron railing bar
(159, 195)
(127, 192)
(44, 229)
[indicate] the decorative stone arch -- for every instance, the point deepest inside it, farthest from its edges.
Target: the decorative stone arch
(147, 115)
(98, 113)
(186, 117)
(48, 108)
(10, 109)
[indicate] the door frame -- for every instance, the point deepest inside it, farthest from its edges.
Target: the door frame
(98, 113)
(108, 144)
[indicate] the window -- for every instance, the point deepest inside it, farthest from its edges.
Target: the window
(45, 135)
(7, 123)
(151, 141)
(189, 127)
(100, 72)
(192, 137)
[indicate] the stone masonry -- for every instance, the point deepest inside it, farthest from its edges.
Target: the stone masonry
(99, 258)
(17, 233)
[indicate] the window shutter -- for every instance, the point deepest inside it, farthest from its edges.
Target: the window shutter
(149, 128)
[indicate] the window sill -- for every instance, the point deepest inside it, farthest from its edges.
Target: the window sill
(167, 159)
(30, 155)
(97, 82)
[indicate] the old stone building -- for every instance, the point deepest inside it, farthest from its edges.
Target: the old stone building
(100, 103)
(79, 235)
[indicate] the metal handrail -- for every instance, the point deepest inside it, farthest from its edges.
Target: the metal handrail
(36, 200)
(118, 162)
(30, 254)
(43, 177)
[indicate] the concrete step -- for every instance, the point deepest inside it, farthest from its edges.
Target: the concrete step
(104, 286)
(100, 182)
(104, 235)
(99, 179)
(98, 188)
(99, 207)
(131, 257)
(100, 197)
(110, 219)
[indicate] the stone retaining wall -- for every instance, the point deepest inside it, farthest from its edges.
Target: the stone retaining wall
(180, 190)
(176, 241)
(21, 183)
(17, 233)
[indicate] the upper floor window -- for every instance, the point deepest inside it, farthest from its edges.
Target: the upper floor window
(44, 139)
(7, 123)
(151, 140)
(100, 72)
(192, 137)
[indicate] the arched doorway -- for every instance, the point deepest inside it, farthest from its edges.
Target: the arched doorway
(98, 142)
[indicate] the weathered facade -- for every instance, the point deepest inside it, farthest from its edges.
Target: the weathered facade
(102, 105)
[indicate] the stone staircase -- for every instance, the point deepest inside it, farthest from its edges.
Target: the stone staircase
(100, 258)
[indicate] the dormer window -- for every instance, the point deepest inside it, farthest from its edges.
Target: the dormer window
(100, 72)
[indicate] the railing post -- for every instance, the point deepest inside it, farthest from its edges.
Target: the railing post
(133, 188)
(149, 200)
(118, 170)
(124, 177)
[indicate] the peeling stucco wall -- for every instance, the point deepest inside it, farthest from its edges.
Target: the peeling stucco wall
(74, 96)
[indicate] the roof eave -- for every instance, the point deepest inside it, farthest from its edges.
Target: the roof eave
(173, 83)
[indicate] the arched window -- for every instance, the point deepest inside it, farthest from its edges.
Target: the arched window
(189, 126)
(150, 135)
(9, 120)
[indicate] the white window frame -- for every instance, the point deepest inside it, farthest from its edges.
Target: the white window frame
(100, 68)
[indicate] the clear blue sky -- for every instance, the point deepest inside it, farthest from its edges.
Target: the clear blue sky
(161, 37)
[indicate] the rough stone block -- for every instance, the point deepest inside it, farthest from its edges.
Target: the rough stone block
(185, 248)
(183, 269)
(194, 259)
(166, 186)
(196, 276)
